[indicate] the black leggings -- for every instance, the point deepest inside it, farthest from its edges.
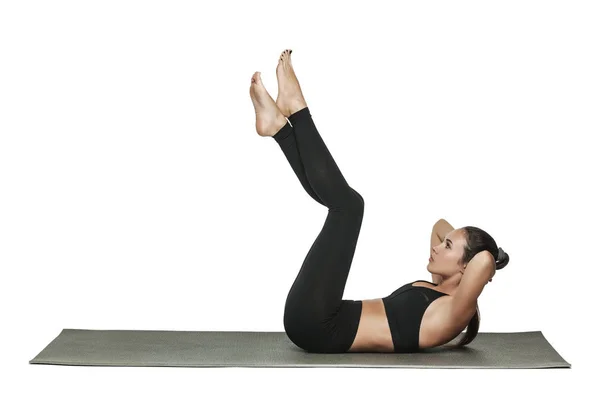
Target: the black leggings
(316, 318)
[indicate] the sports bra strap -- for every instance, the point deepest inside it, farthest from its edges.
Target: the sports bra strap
(420, 280)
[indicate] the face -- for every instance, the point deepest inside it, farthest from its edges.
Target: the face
(446, 256)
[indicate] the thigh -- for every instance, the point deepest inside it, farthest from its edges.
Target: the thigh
(319, 286)
(315, 316)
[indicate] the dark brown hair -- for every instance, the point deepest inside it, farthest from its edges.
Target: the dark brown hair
(479, 240)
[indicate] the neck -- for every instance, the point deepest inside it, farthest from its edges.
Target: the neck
(450, 284)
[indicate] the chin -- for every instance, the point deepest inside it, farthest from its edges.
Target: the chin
(431, 271)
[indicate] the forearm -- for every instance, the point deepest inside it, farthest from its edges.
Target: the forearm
(441, 228)
(439, 231)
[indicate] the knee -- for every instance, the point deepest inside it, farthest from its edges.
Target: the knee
(362, 201)
(358, 200)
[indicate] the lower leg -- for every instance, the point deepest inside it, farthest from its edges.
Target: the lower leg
(286, 139)
(271, 122)
(323, 174)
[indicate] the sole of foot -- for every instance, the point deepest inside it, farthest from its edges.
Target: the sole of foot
(269, 119)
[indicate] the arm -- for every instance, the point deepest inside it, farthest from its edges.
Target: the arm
(477, 273)
(439, 231)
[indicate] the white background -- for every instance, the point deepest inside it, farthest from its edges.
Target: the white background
(136, 193)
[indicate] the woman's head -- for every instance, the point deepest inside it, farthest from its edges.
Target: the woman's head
(459, 246)
(479, 240)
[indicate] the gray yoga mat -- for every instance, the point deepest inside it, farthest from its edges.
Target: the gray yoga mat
(274, 349)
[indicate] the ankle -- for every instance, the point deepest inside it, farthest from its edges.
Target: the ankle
(297, 106)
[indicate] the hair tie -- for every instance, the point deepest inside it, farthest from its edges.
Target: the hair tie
(500, 254)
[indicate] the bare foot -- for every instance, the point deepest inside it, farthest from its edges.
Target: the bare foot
(269, 120)
(289, 98)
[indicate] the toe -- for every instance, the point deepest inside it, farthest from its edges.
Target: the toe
(256, 78)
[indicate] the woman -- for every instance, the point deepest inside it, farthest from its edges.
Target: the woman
(416, 316)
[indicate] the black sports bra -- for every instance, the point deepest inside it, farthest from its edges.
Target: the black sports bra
(405, 308)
